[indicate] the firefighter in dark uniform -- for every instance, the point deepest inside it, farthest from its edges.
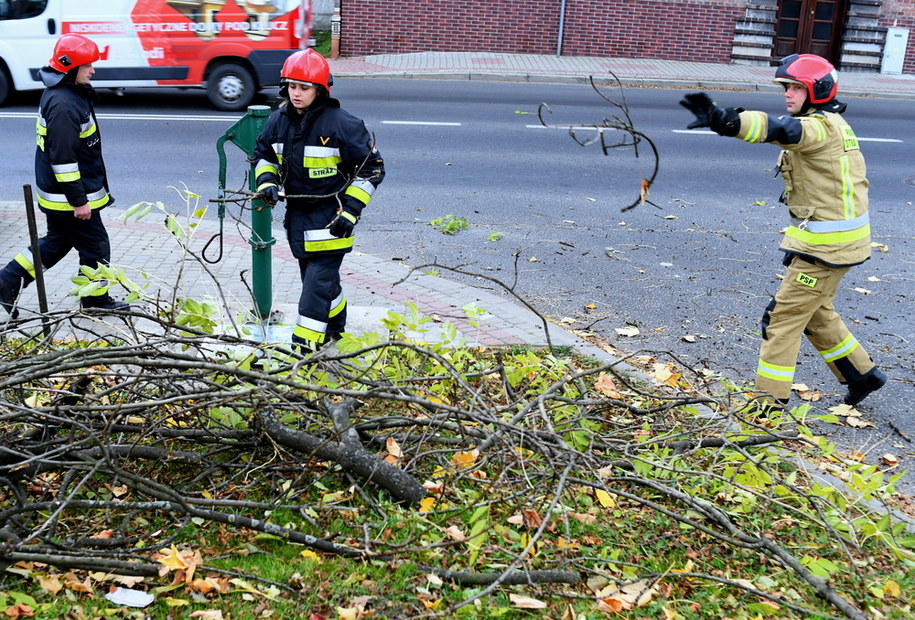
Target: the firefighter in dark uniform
(328, 165)
(72, 187)
(826, 194)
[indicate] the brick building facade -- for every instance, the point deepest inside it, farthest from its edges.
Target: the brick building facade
(741, 31)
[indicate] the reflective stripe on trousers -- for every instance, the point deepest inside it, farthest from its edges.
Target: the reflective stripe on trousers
(803, 305)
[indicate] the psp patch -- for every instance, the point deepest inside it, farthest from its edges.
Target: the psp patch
(806, 280)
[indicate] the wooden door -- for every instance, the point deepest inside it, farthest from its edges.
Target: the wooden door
(809, 27)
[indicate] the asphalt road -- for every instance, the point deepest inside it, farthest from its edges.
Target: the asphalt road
(693, 271)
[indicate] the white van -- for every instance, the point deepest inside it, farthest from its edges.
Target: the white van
(233, 48)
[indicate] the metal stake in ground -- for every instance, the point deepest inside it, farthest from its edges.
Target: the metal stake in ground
(36, 259)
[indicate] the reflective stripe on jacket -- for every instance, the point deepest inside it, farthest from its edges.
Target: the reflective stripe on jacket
(825, 184)
(69, 170)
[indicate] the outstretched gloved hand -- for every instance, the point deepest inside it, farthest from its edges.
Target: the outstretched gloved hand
(270, 194)
(343, 223)
(723, 121)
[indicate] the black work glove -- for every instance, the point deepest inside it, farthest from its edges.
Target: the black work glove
(270, 194)
(343, 223)
(723, 121)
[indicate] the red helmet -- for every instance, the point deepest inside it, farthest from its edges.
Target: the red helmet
(307, 66)
(814, 72)
(71, 51)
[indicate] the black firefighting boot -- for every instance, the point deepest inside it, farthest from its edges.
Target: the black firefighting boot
(872, 381)
(8, 296)
(103, 302)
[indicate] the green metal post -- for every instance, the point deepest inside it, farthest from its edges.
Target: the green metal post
(244, 135)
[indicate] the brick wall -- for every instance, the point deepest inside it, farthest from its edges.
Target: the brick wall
(671, 29)
(403, 26)
(667, 29)
(697, 30)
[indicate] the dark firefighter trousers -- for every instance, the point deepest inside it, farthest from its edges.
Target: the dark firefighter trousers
(65, 232)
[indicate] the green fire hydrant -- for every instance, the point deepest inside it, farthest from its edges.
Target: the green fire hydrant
(243, 134)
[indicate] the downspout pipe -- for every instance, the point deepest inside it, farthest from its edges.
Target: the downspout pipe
(562, 23)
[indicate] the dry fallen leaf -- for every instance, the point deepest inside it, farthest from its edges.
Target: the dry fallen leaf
(583, 517)
(604, 498)
(434, 579)
(350, 613)
(426, 504)
(19, 611)
(663, 373)
(631, 595)
(890, 459)
(531, 519)
(610, 605)
(50, 583)
(171, 558)
(465, 460)
(393, 447)
(863, 291)
(891, 588)
(643, 192)
(856, 422)
(629, 332)
(525, 602)
(813, 397)
(606, 386)
(455, 533)
(207, 614)
(433, 487)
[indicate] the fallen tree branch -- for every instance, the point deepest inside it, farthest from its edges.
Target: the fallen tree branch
(349, 454)
(510, 578)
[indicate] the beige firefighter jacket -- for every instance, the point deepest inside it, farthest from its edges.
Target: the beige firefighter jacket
(825, 183)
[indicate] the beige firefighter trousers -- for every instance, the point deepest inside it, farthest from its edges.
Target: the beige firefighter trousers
(804, 305)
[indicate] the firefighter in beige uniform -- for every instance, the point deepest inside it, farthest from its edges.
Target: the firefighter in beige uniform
(826, 193)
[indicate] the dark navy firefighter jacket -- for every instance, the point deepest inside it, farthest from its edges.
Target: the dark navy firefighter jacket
(327, 161)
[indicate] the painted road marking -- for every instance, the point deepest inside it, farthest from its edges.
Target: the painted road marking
(575, 127)
(140, 117)
(432, 123)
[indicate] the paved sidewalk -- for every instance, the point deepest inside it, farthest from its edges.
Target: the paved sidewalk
(374, 287)
(578, 69)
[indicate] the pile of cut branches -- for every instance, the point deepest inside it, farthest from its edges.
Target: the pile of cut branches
(486, 471)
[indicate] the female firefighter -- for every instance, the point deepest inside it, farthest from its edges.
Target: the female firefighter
(328, 165)
(826, 194)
